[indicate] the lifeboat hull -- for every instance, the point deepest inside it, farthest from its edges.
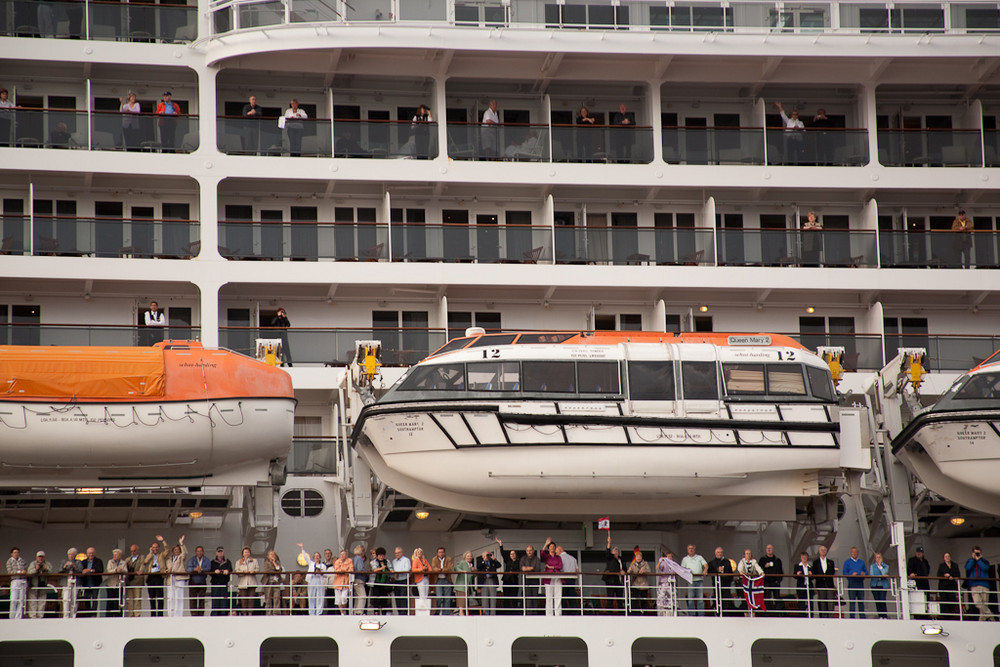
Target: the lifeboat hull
(173, 414)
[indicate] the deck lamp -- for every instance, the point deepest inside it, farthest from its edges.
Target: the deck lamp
(933, 630)
(371, 624)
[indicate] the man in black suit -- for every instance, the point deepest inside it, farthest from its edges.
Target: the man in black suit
(773, 569)
(90, 582)
(723, 581)
(622, 136)
(251, 127)
(823, 569)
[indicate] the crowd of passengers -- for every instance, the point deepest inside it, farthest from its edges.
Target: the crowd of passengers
(168, 580)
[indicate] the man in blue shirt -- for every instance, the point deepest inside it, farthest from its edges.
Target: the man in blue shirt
(199, 566)
(977, 569)
(855, 570)
(401, 566)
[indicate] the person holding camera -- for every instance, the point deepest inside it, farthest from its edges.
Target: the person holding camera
(488, 582)
(977, 569)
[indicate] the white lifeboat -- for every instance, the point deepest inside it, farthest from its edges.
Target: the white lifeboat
(172, 414)
(644, 424)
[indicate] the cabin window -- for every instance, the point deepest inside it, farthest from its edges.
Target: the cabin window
(454, 345)
(979, 387)
(743, 378)
(699, 381)
(528, 339)
(651, 380)
(549, 376)
(820, 383)
(493, 376)
(599, 377)
(442, 377)
(494, 339)
(785, 379)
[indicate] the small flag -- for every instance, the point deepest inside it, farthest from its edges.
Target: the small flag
(604, 524)
(753, 592)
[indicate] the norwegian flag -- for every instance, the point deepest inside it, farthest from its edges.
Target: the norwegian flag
(604, 523)
(753, 592)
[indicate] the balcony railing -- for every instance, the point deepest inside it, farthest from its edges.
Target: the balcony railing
(930, 148)
(795, 247)
(991, 144)
(602, 143)
(483, 243)
(862, 352)
(336, 347)
(100, 237)
(713, 145)
(174, 22)
(109, 131)
(804, 17)
(304, 241)
(633, 245)
(938, 249)
(826, 147)
(87, 335)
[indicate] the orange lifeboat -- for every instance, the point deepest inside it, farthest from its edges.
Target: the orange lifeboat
(172, 414)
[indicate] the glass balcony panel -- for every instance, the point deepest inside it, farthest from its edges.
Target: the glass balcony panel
(303, 241)
(930, 148)
(336, 347)
(862, 352)
(112, 131)
(15, 234)
(42, 18)
(85, 335)
(62, 236)
(237, 135)
(43, 128)
(825, 147)
(317, 11)
(950, 353)
(385, 139)
(977, 19)
(601, 143)
(366, 10)
(942, 249)
(637, 246)
(506, 244)
(713, 145)
(991, 143)
(426, 10)
(794, 247)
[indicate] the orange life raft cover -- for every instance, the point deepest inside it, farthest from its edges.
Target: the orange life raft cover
(81, 372)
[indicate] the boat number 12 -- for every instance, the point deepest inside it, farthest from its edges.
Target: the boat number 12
(786, 356)
(492, 353)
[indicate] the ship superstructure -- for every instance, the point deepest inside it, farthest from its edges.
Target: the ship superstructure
(684, 206)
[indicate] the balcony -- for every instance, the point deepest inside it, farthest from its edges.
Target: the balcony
(336, 347)
(633, 245)
(940, 249)
(481, 243)
(795, 247)
(930, 148)
(100, 237)
(86, 335)
(105, 20)
(862, 352)
(303, 241)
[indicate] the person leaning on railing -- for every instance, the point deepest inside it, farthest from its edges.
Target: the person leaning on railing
(879, 571)
(273, 583)
(117, 571)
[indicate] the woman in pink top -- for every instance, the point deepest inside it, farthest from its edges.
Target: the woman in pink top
(552, 585)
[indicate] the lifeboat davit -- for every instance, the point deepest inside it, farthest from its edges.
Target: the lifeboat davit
(631, 423)
(953, 446)
(172, 414)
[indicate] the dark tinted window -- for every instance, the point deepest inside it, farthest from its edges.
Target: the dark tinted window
(494, 376)
(455, 344)
(979, 387)
(549, 376)
(820, 383)
(651, 380)
(439, 377)
(495, 339)
(598, 377)
(699, 381)
(527, 339)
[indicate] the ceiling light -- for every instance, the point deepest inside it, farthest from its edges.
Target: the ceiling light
(196, 515)
(810, 309)
(421, 514)
(933, 630)
(957, 520)
(90, 491)
(703, 309)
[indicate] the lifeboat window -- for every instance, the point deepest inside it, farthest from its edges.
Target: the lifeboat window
(549, 376)
(599, 377)
(493, 339)
(651, 380)
(820, 383)
(699, 380)
(786, 379)
(455, 344)
(531, 339)
(439, 377)
(494, 376)
(743, 378)
(983, 386)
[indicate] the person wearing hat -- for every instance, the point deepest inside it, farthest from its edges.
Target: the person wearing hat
(918, 569)
(220, 570)
(169, 112)
(38, 581)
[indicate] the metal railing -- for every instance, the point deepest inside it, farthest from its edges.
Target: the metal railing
(300, 592)
(94, 19)
(336, 347)
(634, 245)
(602, 143)
(69, 236)
(108, 130)
(941, 249)
(122, 335)
(818, 147)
